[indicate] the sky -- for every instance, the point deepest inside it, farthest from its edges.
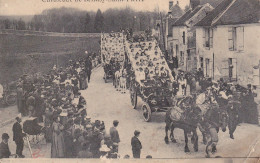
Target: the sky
(32, 7)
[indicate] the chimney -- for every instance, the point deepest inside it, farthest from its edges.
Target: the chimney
(177, 3)
(194, 4)
(170, 4)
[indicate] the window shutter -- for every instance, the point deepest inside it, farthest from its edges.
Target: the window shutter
(210, 68)
(230, 38)
(204, 36)
(183, 37)
(234, 70)
(240, 38)
(225, 68)
(211, 38)
(207, 67)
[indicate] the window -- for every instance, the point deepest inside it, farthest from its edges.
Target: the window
(208, 37)
(240, 38)
(230, 66)
(183, 37)
(181, 58)
(211, 38)
(236, 38)
(201, 63)
(232, 39)
(189, 54)
(171, 50)
(232, 69)
(177, 50)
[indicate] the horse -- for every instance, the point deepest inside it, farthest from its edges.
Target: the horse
(187, 117)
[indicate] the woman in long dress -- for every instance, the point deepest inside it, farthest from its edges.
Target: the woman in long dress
(58, 145)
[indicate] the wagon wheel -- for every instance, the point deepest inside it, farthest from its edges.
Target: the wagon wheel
(10, 99)
(146, 112)
(133, 96)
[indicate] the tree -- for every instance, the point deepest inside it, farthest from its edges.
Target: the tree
(7, 24)
(87, 27)
(99, 21)
(21, 25)
(37, 23)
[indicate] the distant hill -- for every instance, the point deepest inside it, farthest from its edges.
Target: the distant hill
(25, 18)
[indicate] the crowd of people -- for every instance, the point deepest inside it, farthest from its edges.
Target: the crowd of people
(56, 102)
(147, 61)
(112, 46)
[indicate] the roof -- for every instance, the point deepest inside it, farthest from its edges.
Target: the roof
(250, 13)
(213, 3)
(207, 20)
(190, 13)
(171, 21)
(176, 11)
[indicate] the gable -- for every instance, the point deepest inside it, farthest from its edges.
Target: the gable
(250, 13)
(207, 20)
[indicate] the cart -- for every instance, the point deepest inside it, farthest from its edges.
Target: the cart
(156, 92)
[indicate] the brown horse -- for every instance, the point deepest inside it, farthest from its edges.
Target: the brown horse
(188, 121)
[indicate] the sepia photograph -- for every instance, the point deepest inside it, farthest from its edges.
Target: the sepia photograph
(130, 80)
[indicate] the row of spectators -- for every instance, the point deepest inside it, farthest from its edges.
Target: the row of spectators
(55, 100)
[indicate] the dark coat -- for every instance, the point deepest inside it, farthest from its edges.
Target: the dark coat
(4, 150)
(135, 143)
(17, 132)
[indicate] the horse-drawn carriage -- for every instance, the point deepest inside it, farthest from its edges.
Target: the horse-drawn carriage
(151, 78)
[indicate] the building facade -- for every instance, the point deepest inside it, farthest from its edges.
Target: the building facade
(183, 42)
(228, 45)
(175, 12)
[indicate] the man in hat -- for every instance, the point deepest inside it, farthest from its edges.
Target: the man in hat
(136, 144)
(114, 133)
(4, 147)
(18, 137)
